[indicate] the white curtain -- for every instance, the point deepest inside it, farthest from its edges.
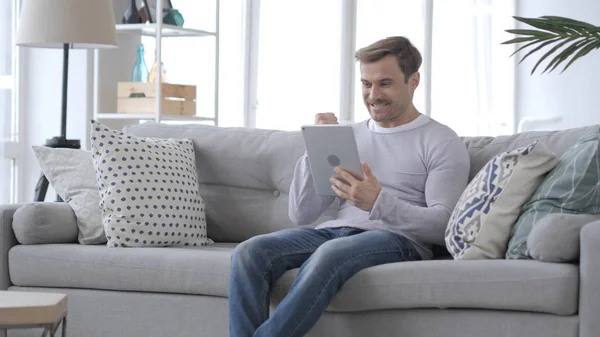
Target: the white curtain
(472, 73)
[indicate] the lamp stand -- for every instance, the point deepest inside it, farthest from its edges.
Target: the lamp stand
(61, 141)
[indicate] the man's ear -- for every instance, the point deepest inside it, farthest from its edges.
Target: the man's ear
(414, 80)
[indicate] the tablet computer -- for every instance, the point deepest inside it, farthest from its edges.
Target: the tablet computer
(329, 146)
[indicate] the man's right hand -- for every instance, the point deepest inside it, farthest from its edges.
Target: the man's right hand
(326, 118)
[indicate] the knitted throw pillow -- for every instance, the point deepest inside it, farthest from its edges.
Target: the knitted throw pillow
(148, 190)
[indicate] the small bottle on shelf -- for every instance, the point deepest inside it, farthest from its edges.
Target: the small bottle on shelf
(140, 71)
(152, 76)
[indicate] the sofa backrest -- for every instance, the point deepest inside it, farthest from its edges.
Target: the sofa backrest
(482, 149)
(245, 173)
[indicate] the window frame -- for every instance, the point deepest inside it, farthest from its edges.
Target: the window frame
(346, 105)
(12, 146)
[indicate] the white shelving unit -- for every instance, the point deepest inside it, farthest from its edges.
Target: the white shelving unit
(159, 31)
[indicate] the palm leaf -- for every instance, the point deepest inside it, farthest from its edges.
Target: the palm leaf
(531, 32)
(584, 38)
(564, 20)
(560, 57)
(525, 46)
(543, 25)
(574, 25)
(537, 48)
(582, 52)
(550, 52)
(521, 39)
(563, 55)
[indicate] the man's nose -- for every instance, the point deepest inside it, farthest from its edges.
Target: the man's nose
(374, 93)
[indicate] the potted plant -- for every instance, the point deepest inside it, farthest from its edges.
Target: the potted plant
(577, 37)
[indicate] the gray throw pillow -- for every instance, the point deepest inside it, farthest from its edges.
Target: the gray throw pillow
(71, 173)
(555, 238)
(43, 223)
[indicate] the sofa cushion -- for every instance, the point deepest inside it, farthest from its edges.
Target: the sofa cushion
(492, 284)
(148, 190)
(45, 222)
(480, 224)
(483, 284)
(187, 270)
(244, 174)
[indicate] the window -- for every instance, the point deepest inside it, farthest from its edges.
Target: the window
(298, 62)
(466, 79)
(8, 109)
(377, 19)
(472, 74)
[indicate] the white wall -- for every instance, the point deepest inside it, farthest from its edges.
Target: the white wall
(41, 87)
(572, 95)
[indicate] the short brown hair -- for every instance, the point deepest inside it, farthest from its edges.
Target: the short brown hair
(409, 57)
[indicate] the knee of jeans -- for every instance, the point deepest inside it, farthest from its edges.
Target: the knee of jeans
(247, 251)
(327, 254)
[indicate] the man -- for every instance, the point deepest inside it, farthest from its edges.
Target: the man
(416, 171)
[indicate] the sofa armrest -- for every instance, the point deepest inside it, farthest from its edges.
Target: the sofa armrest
(589, 280)
(7, 241)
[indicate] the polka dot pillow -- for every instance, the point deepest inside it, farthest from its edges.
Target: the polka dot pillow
(148, 190)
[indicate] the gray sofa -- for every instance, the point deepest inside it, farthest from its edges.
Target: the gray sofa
(245, 176)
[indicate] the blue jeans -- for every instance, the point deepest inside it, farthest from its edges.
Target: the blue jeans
(326, 257)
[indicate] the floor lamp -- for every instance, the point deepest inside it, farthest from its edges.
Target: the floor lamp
(65, 24)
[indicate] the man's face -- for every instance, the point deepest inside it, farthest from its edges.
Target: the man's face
(385, 93)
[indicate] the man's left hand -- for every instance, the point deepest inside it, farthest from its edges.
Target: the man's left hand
(360, 193)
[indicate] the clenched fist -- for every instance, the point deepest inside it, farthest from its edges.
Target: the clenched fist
(326, 118)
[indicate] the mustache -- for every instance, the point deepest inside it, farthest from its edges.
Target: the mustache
(378, 101)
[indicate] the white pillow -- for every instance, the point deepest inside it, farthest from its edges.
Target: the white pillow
(148, 190)
(480, 225)
(71, 174)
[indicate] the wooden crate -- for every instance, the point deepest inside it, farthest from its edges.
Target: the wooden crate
(176, 99)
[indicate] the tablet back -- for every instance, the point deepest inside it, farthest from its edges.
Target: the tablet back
(329, 146)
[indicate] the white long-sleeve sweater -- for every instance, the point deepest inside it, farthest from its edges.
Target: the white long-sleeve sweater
(423, 168)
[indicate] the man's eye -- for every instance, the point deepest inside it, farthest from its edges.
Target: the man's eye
(386, 84)
(366, 85)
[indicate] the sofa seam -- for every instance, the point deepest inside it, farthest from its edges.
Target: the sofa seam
(113, 265)
(294, 253)
(446, 282)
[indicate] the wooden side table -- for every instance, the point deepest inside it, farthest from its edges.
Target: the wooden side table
(21, 310)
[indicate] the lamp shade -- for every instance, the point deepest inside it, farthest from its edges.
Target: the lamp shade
(81, 23)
